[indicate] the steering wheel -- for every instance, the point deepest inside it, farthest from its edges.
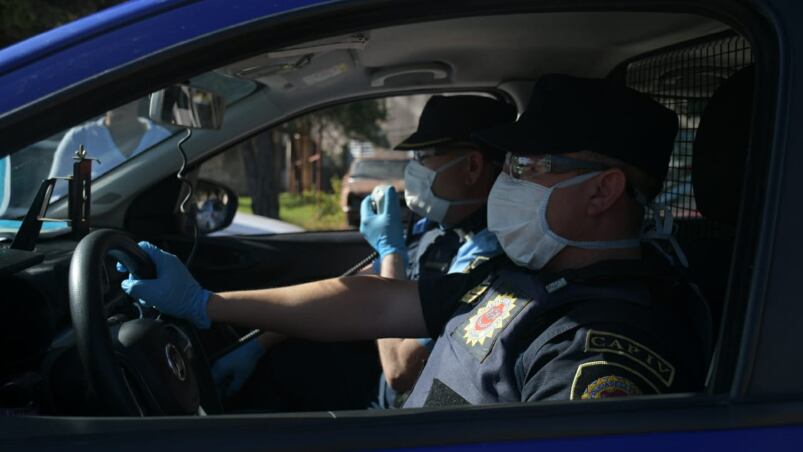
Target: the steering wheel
(141, 366)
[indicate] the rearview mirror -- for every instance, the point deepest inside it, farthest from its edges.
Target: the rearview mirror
(187, 106)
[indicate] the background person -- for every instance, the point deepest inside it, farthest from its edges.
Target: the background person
(447, 184)
(117, 136)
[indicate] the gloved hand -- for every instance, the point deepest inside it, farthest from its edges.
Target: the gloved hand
(173, 292)
(232, 370)
(383, 230)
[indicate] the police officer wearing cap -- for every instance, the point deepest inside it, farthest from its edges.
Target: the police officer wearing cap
(447, 184)
(576, 309)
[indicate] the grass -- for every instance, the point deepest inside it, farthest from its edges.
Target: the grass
(304, 210)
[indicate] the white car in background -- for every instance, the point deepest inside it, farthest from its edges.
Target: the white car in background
(249, 224)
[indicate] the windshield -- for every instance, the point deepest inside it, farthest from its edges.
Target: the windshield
(379, 169)
(112, 139)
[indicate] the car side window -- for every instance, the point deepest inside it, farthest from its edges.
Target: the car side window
(312, 173)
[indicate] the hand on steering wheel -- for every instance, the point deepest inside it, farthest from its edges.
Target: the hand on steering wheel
(173, 291)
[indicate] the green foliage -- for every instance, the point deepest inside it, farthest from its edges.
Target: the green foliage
(310, 212)
(307, 210)
(20, 19)
(359, 120)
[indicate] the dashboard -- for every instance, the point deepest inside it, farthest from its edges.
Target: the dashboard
(40, 372)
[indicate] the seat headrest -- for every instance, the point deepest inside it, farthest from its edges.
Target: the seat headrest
(720, 148)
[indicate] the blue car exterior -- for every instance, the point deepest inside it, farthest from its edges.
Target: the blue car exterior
(111, 39)
(34, 71)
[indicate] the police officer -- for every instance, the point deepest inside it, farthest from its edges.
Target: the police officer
(447, 184)
(576, 309)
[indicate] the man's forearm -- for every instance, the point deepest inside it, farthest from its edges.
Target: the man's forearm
(402, 361)
(353, 308)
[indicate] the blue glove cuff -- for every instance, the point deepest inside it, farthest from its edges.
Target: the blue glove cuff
(199, 312)
(403, 254)
(387, 248)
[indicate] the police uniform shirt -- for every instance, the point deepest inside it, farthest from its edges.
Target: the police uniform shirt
(432, 256)
(508, 334)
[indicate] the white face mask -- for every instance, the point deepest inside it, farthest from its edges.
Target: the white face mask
(418, 180)
(517, 216)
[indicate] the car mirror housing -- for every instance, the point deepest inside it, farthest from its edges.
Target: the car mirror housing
(214, 205)
(187, 106)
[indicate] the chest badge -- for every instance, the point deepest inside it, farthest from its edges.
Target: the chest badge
(489, 318)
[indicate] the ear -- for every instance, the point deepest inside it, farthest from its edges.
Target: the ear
(476, 163)
(605, 190)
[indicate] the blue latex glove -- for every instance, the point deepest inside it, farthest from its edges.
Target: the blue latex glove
(383, 230)
(232, 370)
(174, 291)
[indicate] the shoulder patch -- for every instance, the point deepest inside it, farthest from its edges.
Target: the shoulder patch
(486, 321)
(601, 341)
(603, 380)
(610, 386)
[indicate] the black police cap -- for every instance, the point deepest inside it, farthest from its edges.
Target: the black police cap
(448, 120)
(570, 114)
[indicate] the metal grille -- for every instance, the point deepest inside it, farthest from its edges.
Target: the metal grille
(683, 79)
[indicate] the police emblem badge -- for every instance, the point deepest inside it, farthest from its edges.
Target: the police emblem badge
(607, 379)
(488, 318)
(610, 386)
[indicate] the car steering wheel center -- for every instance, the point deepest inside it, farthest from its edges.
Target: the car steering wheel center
(176, 362)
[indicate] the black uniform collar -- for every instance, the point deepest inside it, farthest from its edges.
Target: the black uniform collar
(647, 268)
(475, 222)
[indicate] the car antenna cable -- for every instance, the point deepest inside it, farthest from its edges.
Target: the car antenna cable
(183, 206)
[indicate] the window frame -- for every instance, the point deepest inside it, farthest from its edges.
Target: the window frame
(489, 423)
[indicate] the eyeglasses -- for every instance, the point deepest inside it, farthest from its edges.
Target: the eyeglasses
(421, 155)
(521, 167)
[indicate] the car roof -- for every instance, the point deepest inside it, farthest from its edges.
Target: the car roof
(104, 41)
(506, 50)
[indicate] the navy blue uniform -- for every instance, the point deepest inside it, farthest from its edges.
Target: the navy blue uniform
(508, 334)
(434, 252)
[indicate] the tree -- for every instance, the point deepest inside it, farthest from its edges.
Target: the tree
(22, 19)
(263, 154)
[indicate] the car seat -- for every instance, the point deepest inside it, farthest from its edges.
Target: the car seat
(718, 167)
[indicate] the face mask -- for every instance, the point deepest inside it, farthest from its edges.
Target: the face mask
(418, 180)
(517, 216)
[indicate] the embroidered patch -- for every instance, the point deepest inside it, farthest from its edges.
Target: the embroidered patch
(484, 323)
(488, 319)
(605, 379)
(610, 386)
(600, 341)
